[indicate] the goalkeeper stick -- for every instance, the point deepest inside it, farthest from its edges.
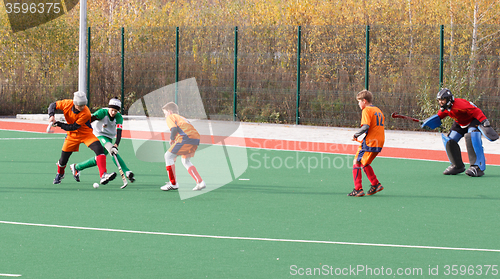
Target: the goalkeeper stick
(396, 115)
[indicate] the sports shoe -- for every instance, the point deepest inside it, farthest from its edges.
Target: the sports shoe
(169, 186)
(452, 170)
(375, 189)
(76, 173)
(356, 193)
(58, 178)
(474, 171)
(130, 176)
(200, 186)
(107, 177)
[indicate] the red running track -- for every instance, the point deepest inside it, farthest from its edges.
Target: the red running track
(291, 145)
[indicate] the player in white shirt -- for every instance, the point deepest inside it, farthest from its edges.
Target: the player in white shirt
(109, 125)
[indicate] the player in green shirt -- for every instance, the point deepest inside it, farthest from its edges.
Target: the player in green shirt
(109, 125)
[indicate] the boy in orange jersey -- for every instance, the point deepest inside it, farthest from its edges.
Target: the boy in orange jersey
(184, 140)
(372, 123)
(78, 130)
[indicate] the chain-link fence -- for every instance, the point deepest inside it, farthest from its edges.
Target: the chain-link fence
(254, 73)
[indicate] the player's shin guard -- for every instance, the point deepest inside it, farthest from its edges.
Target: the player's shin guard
(60, 169)
(356, 175)
(475, 150)
(191, 169)
(101, 164)
(171, 174)
(371, 174)
(194, 174)
(453, 152)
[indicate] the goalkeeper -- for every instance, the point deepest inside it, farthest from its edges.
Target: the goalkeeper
(109, 125)
(470, 123)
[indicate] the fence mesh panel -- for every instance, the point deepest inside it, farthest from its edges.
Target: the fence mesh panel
(40, 65)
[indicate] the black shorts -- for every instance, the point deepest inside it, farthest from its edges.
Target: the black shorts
(462, 131)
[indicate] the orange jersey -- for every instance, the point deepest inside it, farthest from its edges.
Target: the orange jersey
(186, 132)
(375, 137)
(82, 118)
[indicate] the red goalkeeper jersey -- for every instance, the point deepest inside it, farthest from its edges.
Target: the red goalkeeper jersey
(463, 112)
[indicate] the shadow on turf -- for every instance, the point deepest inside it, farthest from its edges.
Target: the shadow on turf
(277, 189)
(44, 189)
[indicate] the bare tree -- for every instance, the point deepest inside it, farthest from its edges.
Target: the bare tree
(410, 19)
(481, 42)
(452, 31)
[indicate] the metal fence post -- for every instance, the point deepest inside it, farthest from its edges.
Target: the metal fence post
(367, 63)
(441, 56)
(235, 95)
(88, 67)
(297, 112)
(123, 67)
(176, 63)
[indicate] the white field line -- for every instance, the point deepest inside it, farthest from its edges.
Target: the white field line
(254, 238)
(31, 138)
(9, 275)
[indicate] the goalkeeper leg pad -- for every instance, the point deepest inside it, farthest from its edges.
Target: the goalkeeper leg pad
(475, 150)
(454, 155)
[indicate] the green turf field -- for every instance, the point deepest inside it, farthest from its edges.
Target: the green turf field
(283, 221)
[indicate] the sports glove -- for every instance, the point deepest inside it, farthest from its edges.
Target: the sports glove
(66, 127)
(432, 122)
(114, 150)
(488, 131)
(486, 123)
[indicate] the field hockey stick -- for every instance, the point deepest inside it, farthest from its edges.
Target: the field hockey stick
(109, 147)
(359, 140)
(124, 179)
(49, 128)
(396, 115)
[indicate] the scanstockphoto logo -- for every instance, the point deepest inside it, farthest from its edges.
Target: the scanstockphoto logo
(26, 14)
(222, 155)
